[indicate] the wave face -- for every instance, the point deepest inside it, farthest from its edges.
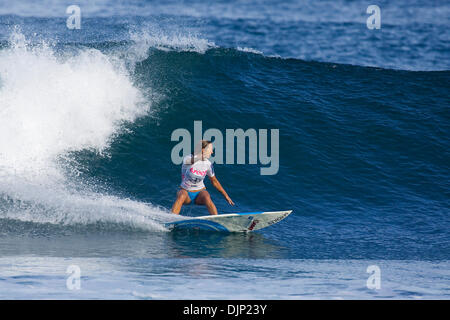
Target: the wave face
(86, 123)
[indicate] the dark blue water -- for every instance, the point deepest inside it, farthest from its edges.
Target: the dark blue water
(86, 118)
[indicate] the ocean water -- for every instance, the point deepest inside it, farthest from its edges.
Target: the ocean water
(87, 179)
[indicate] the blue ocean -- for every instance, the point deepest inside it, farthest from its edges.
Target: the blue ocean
(90, 97)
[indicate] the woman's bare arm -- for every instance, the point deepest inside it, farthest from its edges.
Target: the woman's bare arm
(219, 187)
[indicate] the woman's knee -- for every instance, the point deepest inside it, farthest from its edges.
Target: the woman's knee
(204, 197)
(183, 196)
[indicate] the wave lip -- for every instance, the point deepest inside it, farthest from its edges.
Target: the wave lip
(53, 104)
(169, 40)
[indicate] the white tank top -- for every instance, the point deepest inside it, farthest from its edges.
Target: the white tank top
(192, 175)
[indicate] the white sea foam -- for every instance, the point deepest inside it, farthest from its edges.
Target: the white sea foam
(51, 105)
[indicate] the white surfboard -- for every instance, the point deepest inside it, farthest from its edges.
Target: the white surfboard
(231, 222)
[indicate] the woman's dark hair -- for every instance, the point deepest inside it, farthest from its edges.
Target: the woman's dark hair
(204, 143)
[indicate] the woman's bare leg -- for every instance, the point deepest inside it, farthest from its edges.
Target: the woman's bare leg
(182, 198)
(204, 198)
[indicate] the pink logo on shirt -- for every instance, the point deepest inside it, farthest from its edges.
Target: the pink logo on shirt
(198, 172)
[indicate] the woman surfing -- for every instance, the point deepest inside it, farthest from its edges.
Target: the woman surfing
(194, 169)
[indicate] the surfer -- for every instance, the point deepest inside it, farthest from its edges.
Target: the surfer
(194, 169)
